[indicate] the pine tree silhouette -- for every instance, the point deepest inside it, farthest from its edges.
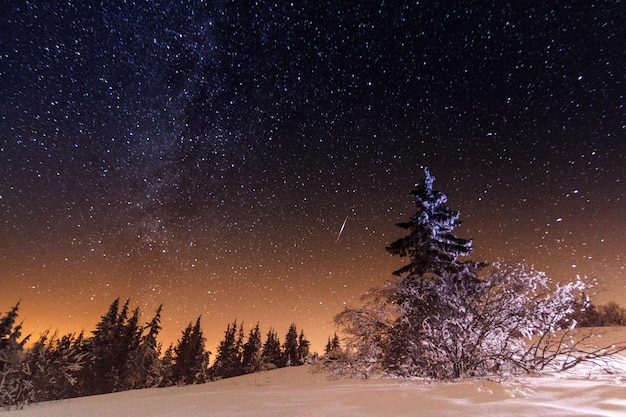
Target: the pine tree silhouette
(252, 351)
(290, 347)
(272, 355)
(228, 362)
(191, 358)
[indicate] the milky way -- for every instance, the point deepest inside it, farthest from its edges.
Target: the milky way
(205, 154)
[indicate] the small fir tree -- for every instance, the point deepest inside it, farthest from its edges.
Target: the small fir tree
(191, 358)
(304, 347)
(114, 342)
(10, 333)
(228, 362)
(167, 365)
(100, 375)
(271, 357)
(252, 351)
(290, 347)
(16, 390)
(328, 347)
(144, 366)
(333, 347)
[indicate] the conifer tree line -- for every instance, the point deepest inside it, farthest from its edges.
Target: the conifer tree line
(123, 354)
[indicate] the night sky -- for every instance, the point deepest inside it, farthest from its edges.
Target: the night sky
(205, 154)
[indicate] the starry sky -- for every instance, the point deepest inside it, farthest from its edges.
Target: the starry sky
(205, 154)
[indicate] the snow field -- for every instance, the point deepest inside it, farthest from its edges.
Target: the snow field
(299, 391)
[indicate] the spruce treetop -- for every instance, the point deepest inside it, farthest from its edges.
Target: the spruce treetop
(430, 245)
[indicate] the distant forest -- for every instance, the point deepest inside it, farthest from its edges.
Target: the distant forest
(590, 315)
(123, 354)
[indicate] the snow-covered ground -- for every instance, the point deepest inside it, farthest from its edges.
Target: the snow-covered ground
(299, 391)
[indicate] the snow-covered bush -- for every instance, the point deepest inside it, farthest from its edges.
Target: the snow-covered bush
(367, 332)
(511, 320)
(502, 323)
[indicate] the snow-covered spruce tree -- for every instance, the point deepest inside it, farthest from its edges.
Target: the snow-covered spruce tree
(144, 368)
(99, 376)
(304, 348)
(167, 366)
(389, 329)
(228, 362)
(433, 272)
(333, 347)
(190, 357)
(446, 318)
(430, 245)
(271, 355)
(252, 351)
(290, 347)
(16, 389)
(115, 338)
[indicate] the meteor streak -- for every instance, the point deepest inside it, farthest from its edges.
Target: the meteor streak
(341, 230)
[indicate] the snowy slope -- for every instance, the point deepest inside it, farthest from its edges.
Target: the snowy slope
(301, 392)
